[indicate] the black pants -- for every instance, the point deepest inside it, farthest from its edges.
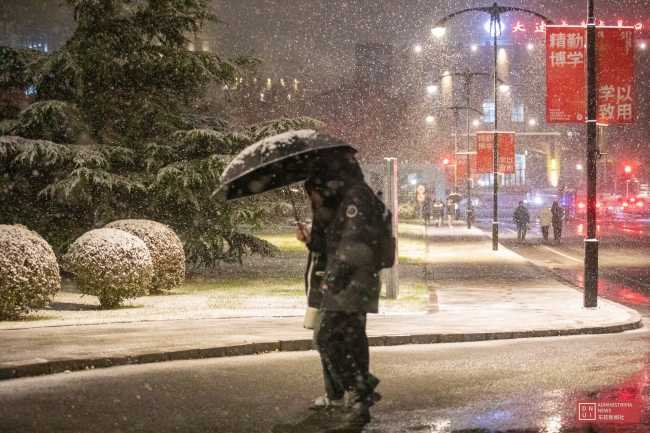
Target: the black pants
(521, 232)
(343, 346)
(545, 232)
(557, 232)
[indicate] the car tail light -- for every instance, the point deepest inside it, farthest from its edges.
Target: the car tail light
(632, 199)
(597, 204)
(640, 203)
(581, 205)
(624, 204)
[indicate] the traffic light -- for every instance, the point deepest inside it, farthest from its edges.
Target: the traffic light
(627, 172)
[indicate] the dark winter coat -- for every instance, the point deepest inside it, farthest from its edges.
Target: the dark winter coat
(351, 277)
(317, 256)
(426, 207)
(438, 209)
(558, 215)
(521, 216)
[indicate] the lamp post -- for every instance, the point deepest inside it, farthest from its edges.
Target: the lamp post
(467, 78)
(495, 12)
(590, 299)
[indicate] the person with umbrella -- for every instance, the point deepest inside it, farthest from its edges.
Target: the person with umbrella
(350, 286)
(323, 209)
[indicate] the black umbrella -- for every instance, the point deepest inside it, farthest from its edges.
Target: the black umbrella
(277, 161)
(455, 197)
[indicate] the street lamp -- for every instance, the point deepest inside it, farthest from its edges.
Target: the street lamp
(467, 78)
(495, 12)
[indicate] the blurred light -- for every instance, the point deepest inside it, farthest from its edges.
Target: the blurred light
(532, 122)
(553, 164)
(530, 47)
(502, 53)
(491, 28)
(476, 122)
(628, 169)
(414, 181)
(504, 88)
(429, 119)
(639, 203)
(474, 48)
(642, 45)
(418, 48)
(445, 161)
(432, 89)
(438, 32)
(624, 204)
(581, 205)
(538, 200)
(578, 166)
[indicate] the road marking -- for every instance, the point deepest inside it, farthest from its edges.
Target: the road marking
(563, 255)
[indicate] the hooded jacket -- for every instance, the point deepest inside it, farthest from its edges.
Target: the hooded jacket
(352, 280)
(545, 216)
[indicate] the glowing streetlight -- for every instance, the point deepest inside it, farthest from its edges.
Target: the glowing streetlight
(495, 27)
(429, 119)
(432, 89)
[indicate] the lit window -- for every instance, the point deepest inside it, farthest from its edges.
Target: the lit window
(518, 113)
(488, 112)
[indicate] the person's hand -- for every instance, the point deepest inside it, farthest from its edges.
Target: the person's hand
(302, 234)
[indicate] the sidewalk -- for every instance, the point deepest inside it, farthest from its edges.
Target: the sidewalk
(476, 294)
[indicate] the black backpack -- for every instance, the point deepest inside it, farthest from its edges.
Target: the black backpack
(384, 253)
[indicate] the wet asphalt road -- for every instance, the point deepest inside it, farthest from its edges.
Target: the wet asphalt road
(519, 385)
(623, 257)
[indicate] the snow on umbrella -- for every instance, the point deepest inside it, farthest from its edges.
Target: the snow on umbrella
(455, 197)
(277, 161)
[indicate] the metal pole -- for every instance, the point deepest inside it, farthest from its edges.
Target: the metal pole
(456, 118)
(495, 222)
(391, 276)
(469, 193)
(591, 243)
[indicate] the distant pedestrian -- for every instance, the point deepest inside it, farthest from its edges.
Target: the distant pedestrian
(451, 211)
(521, 217)
(557, 217)
(426, 210)
(545, 215)
(438, 212)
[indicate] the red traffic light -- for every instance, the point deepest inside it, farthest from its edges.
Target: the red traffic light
(628, 169)
(445, 161)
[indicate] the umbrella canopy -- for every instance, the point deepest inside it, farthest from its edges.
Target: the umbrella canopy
(455, 197)
(277, 161)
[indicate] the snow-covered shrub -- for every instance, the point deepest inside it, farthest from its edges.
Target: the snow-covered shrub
(29, 274)
(165, 248)
(407, 211)
(111, 264)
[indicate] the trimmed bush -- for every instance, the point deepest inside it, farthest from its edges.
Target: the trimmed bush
(165, 248)
(29, 274)
(111, 264)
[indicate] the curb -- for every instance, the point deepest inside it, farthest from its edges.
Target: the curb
(54, 366)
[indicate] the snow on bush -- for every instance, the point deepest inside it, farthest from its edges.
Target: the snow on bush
(165, 248)
(29, 274)
(111, 264)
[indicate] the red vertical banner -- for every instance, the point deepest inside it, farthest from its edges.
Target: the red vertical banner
(484, 152)
(461, 166)
(615, 75)
(506, 153)
(566, 56)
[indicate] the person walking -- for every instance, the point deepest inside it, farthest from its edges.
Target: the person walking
(426, 210)
(545, 216)
(451, 210)
(557, 217)
(350, 285)
(521, 217)
(438, 212)
(322, 214)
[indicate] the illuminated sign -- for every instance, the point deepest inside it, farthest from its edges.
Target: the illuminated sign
(540, 27)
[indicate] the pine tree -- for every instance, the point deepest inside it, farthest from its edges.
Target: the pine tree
(114, 130)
